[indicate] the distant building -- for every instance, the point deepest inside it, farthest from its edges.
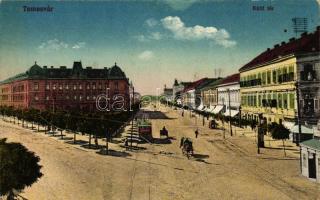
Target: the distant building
(177, 88)
(192, 93)
(268, 82)
(64, 88)
(209, 95)
(168, 93)
(229, 96)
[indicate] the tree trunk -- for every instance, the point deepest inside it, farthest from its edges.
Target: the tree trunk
(61, 134)
(74, 137)
(284, 148)
(90, 140)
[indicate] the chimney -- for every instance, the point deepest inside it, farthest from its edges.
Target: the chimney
(51, 67)
(292, 39)
(283, 43)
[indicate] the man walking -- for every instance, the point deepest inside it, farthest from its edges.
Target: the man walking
(196, 133)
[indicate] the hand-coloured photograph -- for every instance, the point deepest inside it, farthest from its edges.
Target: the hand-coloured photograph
(160, 100)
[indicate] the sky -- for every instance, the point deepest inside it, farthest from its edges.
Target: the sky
(153, 41)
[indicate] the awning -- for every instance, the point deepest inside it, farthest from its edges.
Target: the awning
(200, 107)
(304, 129)
(217, 109)
(233, 113)
(287, 124)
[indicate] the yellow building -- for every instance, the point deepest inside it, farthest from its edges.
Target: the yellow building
(268, 82)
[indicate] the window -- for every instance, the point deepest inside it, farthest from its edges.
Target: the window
(67, 97)
(279, 100)
(67, 86)
(54, 86)
(36, 86)
(94, 97)
(94, 86)
(259, 100)
(80, 86)
(263, 78)
(116, 85)
(100, 86)
(316, 104)
(80, 97)
(292, 99)
(88, 86)
(269, 77)
(285, 100)
(36, 98)
(75, 97)
(60, 86)
(74, 87)
(47, 86)
(47, 98)
(274, 76)
(88, 97)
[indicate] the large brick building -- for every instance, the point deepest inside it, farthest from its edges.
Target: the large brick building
(64, 88)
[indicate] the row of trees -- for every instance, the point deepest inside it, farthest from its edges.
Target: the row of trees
(98, 124)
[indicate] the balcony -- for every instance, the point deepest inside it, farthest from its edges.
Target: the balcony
(282, 78)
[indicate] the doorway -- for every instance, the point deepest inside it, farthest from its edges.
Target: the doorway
(312, 165)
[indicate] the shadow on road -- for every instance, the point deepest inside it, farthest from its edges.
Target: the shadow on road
(162, 140)
(113, 153)
(153, 115)
(77, 142)
(287, 158)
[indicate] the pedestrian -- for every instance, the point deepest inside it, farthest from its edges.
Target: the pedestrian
(182, 114)
(196, 133)
(126, 144)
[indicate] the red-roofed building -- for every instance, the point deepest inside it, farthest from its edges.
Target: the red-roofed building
(268, 82)
(229, 96)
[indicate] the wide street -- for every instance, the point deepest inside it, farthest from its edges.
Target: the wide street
(220, 169)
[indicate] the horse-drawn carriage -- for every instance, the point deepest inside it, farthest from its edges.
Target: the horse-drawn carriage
(186, 146)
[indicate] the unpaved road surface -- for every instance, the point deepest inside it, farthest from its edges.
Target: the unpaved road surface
(220, 169)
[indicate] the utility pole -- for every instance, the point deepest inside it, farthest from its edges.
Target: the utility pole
(229, 112)
(299, 114)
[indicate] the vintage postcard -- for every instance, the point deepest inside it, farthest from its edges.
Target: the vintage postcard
(160, 99)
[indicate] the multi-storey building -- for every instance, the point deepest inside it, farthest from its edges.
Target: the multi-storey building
(177, 88)
(269, 82)
(66, 88)
(229, 96)
(209, 95)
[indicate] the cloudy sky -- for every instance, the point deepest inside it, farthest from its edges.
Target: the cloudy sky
(153, 41)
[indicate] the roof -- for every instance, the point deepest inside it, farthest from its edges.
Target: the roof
(76, 72)
(305, 44)
(234, 78)
(313, 143)
(212, 84)
(193, 85)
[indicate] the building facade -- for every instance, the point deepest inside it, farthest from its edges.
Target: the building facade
(209, 95)
(269, 83)
(66, 88)
(229, 96)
